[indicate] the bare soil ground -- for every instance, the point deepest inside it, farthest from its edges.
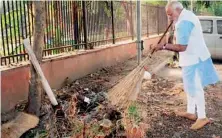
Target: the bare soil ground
(165, 95)
(158, 98)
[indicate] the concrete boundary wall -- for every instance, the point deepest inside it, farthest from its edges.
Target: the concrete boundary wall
(15, 81)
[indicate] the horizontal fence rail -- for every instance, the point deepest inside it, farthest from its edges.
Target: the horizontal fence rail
(74, 25)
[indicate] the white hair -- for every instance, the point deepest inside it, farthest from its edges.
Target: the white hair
(175, 5)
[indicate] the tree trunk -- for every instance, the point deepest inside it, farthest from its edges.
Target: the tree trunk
(35, 86)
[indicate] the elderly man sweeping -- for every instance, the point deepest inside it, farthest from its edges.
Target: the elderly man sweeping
(194, 58)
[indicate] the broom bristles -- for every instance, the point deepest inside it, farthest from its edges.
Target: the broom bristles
(120, 93)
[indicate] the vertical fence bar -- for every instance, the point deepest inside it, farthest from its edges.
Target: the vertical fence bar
(29, 5)
(59, 28)
(95, 22)
(32, 17)
(26, 33)
(92, 22)
(14, 25)
(52, 18)
(54, 5)
(65, 20)
(59, 24)
(46, 29)
(21, 16)
(102, 29)
(80, 26)
(98, 24)
(73, 21)
(69, 15)
(10, 31)
(84, 23)
(131, 13)
(17, 16)
(77, 25)
(113, 29)
(29, 22)
(3, 41)
(158, 24)
(50, 28)
(67, 23)
(147, 19)
(62, 16)
(88, 18)
(70, 25)
(53, 26)
(63, 23)
(6, 30)
(24, 9)
(66, 11)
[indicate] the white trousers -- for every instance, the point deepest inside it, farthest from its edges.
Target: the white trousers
(196, 103)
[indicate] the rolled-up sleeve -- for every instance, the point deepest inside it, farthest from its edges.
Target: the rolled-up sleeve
(183, 32)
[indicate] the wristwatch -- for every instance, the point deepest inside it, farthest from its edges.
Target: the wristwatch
(164, 46)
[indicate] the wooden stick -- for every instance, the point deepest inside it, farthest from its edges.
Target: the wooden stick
(162, 37)
(38, 69)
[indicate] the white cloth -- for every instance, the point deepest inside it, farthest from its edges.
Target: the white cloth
(196, 48)
(196, 102)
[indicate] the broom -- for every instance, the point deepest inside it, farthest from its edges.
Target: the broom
(124, 91)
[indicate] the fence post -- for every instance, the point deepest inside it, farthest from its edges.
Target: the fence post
(113, 29)
(84, 24)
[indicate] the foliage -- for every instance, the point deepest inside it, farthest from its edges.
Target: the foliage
(155, 2)
(213, 8)
(134, 113)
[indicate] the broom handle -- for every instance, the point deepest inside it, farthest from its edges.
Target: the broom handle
(38, 69)
(163, 35)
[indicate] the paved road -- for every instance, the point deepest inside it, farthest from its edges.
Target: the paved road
(218, 65)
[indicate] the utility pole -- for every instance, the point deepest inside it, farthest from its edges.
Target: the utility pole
(138, 19)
